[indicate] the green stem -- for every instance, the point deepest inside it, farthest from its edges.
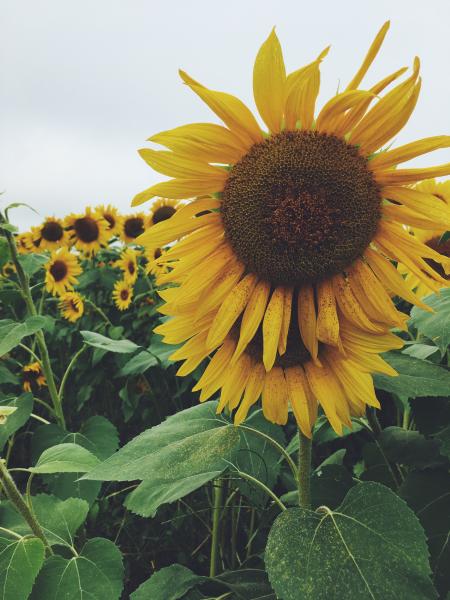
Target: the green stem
(15, 497)
(68, 371)
(217, 507)
(261, 485)
(304, 471)
(30, 351)
(98, 310)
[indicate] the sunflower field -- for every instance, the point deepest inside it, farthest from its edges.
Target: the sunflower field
(240, 392)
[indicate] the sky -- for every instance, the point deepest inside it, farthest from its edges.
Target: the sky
(85, 83)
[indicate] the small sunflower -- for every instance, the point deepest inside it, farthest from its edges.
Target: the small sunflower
(154, 266)
(88, 232)
(51, 234)
(33, 377)
(71, 306)
(289, 241)
(132, 227)
(112, 216)
(24, 242)
(162, 209)
(122, 294)
(129, 265)
(61, 272)
(8, 269)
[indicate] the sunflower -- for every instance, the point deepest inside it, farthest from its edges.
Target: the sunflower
(294, 228)
(51, 234)
(132, 227)
(8, 269)
(122, 294)
(88, 232)
(128, 264)
(71, 306)
(154, 266)
(24, 242)
(111, 215)
(33, 376)
(431, 237)
(162, 209)
(61, 272)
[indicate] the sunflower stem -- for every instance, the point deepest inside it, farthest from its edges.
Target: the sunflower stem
(68, 371)
(304, 471)
(39, 336)
(216, 512)
(98, 310)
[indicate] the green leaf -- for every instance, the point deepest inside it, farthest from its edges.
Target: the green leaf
(443, 438)
(8, 227)
(18, 418)
(7, 377)
(377, 467)
(170, 583)
(11, 333)
(32, 263)
(257, 457)
(161, 350)
(415, 377)
(337, 458)
(323, 432)
(138, 364)
(329, 486)
(96, 340)
(96, 573)
(247, 584)
(372, 547)
(435, 325)
(409, 448)
(421, 351)
(20, 562)
(428, 494)
(65, 458)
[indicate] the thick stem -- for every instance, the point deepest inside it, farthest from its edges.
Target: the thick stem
(15, 497)
(304, 471)
(216, 511)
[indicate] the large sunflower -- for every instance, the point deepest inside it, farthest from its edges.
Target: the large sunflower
(295, 227)
(89, 231)
(51, 234)
(61, 272)
(71, 306)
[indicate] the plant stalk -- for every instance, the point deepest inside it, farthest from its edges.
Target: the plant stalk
(304, 471)
(216, 511)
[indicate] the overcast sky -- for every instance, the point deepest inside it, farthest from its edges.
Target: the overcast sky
(84, 83)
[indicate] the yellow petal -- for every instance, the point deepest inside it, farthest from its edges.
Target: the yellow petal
(272, 322)
(302, 401)
(234, 385)
(230, 310)
(179, 189)
(370, 57)
(253, 315)
(176, 165)
(327, 318)
(371, 363)
(368, 343)
(287, 310)
(409, 151)
(269, 78)
(323, 386)
(231, 110)
(274, 397)
(223, 285)
(217, 365)
(307, 320)
(350, 307)
(407, 216)
(252, 392)
(357, 386)
(406, 176)
(331, 115)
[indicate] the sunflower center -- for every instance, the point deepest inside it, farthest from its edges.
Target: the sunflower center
(162, 213)
(131, 268)
(58, 270)
(87, 229)
(52, 231)
(134, 227)
(299, 207)
(124, 294)
(110, 219)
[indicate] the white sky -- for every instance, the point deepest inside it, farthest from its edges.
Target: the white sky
(84, 83)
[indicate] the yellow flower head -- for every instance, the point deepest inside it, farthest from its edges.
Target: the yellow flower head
(111, 215)
(33, 377)
(24, 243)
(153, 266)
(128, 264)
(71, 306)
(51, 234)
(122, 294)
(8, 269)
(132, 227)
(162, 209)
(88, 232)
(61, 272)
(283, 259)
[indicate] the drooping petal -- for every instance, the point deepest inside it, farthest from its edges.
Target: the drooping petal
(235, 382)
(287, 310)
(253, 389)
(323, 386)
(274, 397)
(307, 320)
(350, 306)
(272, 323)
(301, 399)
(217, 365)
(327, 318)
(253, 316)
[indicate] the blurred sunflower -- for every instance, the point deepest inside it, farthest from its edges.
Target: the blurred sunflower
(112, 216)
(8, 269)
(51, 234)
(33, 377)
(71, 306)
(122, 294)
(24, 242)
(432, 237)
(132, 227)
(128, 264)
(301, 223)
(61, 272)
(88, 232)
(153, 266)
(162, 209)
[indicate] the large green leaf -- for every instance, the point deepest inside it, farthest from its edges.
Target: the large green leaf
(170, 583)
(32, 263)
(372, 547)
(12, 333)
(329, 486)
(20, 562)
(105, 343)
(65, 458)
(138, 364)
(409, 448)
(24, 406)
(435, 325)
(96, 573)
(415, 377)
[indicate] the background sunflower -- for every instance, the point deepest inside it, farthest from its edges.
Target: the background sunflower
(61, 271)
